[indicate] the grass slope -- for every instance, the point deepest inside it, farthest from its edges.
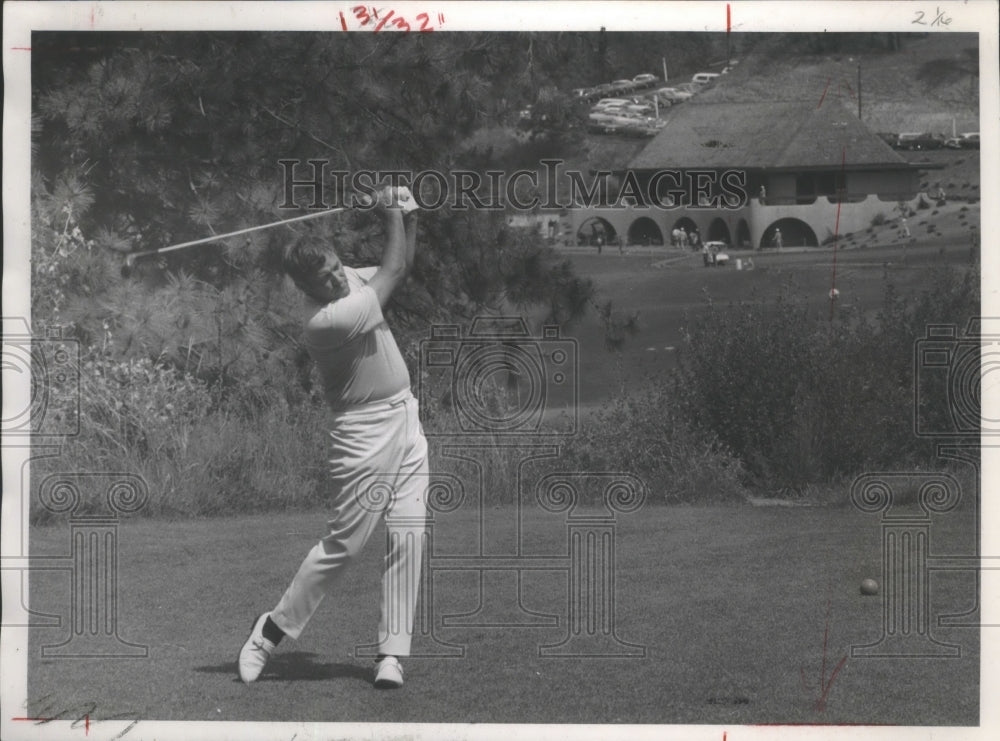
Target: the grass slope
(731, 605)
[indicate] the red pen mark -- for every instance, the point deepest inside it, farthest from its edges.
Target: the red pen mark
(20, 48)
(729, 18)
(92, 18)
(823, 96)
(381, 23)
(86, 722)
(361, 13)
(389, 20)
(825, 684)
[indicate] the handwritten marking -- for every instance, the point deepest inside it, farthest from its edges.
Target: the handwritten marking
(75, 719)
(389, 20)
(823, 96)
(939, 20)
(85, 719)
(825, 685)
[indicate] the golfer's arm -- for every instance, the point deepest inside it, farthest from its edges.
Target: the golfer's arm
(394, 261)
(410, 228)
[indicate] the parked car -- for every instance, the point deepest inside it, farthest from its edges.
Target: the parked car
(622, 86)
(689, 87)
(582, 93)
(704, 78)
(673, 94)
(641, 107)
(597, 121)
(970, 140)
(622, 121)
(913, 140)
(610, 103)
(888, 138)
(655, 99)
(645, 80)
(953, 142)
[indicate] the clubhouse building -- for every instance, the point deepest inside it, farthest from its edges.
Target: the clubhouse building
(737, 172)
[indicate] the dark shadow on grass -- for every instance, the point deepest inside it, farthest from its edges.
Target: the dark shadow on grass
(295, 665)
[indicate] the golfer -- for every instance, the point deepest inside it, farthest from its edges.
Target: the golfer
(378, 456)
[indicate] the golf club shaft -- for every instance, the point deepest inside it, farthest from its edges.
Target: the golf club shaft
(220, 237)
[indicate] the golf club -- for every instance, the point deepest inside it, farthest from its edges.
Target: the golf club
(132, 257)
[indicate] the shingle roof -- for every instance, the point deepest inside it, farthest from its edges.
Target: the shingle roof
(785, 134)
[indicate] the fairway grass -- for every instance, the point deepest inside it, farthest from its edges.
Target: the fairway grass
(730, 604)
(668, 288)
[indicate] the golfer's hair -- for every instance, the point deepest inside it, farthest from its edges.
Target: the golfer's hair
(304, 257)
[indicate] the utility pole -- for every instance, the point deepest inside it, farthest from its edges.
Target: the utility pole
(664, 69)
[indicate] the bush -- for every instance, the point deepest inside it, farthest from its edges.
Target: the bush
(802, 400)
(148, 419)
(677, 461)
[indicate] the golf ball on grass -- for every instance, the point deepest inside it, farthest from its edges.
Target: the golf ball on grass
(869, 586)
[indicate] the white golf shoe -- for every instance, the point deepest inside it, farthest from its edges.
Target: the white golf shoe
(389, 675)
(255, 652)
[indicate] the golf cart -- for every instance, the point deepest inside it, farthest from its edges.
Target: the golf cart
(713, 254)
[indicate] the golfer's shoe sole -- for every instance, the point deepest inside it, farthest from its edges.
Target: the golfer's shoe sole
(255, 652)
(389, 675)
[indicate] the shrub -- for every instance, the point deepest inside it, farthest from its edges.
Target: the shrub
(677, 461)
(800, 399)
(146, 418)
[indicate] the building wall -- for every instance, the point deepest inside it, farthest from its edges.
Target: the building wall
(855, 213)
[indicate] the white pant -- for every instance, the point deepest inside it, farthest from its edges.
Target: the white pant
(378, 467)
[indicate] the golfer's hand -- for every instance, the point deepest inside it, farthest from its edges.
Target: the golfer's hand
(397, 198)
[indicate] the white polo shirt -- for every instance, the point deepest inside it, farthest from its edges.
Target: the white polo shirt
(356, 354)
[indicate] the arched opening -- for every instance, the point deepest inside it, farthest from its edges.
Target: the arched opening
(644, 231)
(596, 232)
(743, 238)
(789, 233)
(718, 231)
(680, 231)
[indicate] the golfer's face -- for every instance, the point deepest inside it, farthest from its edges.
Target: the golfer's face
(329, 283)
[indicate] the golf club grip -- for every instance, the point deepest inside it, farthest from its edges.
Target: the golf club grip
(220, 237)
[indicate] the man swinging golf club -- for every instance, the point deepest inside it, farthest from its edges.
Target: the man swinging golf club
(378, 461)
